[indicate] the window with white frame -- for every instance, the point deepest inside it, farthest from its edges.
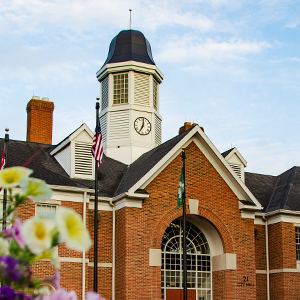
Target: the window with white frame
(199, 276)
(120, 88)
(297, 231)
(46, 209)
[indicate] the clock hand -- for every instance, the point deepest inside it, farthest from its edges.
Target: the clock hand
(142, 125)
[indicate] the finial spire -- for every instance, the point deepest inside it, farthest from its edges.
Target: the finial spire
(130, 10)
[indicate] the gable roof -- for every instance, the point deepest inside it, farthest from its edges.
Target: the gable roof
(37, 157)
(146, 162)
(261, 186)
(144, 169)
(224, 154)
(229, 154)
(66, 141)
(280, 192)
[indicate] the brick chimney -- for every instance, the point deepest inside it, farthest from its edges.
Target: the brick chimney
(187, 126)
(39, 120)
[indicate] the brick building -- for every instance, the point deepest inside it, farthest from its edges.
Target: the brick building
(243, 238)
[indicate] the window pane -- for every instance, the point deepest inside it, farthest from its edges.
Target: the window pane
(120, 88)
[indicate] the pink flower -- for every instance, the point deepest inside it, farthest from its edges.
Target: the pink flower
(14, 233)
(61, 295)
(93, 296)
(55, 280)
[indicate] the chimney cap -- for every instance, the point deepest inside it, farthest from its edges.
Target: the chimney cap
(187, 126)
(36, 97)
(45, 99)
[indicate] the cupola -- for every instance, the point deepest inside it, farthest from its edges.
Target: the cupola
(129, 78)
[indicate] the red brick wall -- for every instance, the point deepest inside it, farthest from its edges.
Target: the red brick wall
(282, 246)
(141, 229)
(222, 281)
(39, 121)
(261, 286)
(285, 286)
(260, 247)
(282, 253)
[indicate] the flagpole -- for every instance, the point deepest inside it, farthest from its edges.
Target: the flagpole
(6, 139)
(96, 212)
(184, 230)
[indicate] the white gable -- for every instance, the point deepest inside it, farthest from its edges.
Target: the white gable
(237, 163)
(74, 153)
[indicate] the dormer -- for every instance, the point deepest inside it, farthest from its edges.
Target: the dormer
(74, 153)
(236, 162)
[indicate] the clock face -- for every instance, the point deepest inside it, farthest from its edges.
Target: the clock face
(142, 126)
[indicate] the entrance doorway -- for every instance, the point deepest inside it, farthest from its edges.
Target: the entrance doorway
(198, 263)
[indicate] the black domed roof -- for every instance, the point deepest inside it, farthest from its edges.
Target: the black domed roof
(130, 45)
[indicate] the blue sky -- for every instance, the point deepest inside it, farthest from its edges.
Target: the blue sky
(231, 66)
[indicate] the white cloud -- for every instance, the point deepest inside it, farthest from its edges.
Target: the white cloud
(292, 24)
(37, 16)
(187, 48)
(288, 59)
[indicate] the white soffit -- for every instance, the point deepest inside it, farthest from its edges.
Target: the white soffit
(130, 65)
(197, 136)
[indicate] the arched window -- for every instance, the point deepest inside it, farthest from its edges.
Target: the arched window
(198, 262)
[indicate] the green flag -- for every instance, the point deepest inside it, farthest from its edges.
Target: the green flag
(180, 190)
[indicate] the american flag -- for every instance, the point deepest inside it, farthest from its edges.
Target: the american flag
(2, 160)
(97, 146)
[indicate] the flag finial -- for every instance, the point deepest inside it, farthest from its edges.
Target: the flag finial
(130, 10)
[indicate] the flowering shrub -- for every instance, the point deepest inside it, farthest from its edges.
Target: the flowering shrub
(21, 245)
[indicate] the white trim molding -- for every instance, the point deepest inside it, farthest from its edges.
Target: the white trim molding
(154, 257)
(193, 206)
(263, 272)
(226, 261)
(275, 271)
(100, 265)
(281, 215)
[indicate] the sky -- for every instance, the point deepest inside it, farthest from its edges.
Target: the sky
(232, 66)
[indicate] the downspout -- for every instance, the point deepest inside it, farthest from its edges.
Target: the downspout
(267, 257)
(83, 253)
(113, 248)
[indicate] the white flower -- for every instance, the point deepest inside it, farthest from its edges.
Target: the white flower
(11, 177)
(36, 189)
(72, 230)
(36, 233)
(4, 246)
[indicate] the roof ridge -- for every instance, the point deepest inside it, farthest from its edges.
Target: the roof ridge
(287, 188)
(273, 193)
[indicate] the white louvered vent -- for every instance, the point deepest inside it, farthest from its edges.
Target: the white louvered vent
(103, 122)
(104, 89)
(237, 169)
(157, 130)
(141, 89)
(155, 94)
(83, 160)
(119, 125)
